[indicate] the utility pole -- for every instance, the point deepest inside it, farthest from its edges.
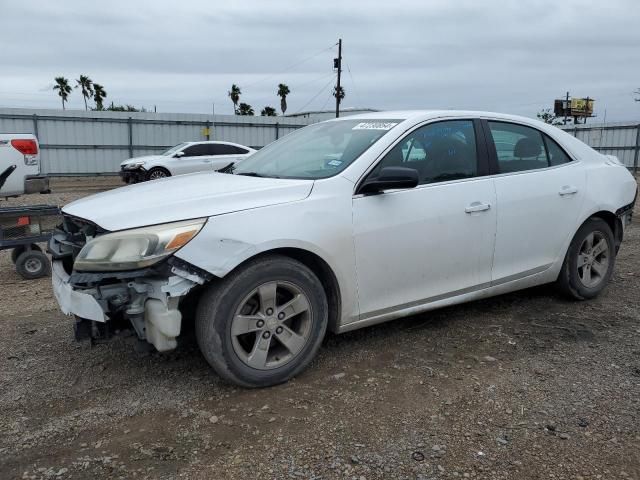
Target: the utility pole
(337, 63)
(566, 108)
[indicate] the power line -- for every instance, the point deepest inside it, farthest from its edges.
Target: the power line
(324, 105)
(259, 100)
(289, 68)
(316, 95)
(355, 90)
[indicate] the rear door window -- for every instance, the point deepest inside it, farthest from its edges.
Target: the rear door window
(518, 147)
(222, 149)
(557, 156)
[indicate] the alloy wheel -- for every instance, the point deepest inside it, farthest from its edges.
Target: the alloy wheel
(593, 259)
(156, 174)
(271, 325)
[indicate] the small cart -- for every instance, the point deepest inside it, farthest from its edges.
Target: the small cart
(21, 229)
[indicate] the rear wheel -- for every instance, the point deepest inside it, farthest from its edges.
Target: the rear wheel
(263, 324)
(158, 172)
(589, 262)
(32, 264)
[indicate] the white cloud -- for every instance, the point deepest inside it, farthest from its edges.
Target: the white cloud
(503, 55)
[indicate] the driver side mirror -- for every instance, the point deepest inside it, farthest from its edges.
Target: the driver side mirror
(178, 155)
(391, 178)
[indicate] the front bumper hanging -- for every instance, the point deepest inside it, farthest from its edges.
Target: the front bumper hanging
(133, 176)
(148, 298)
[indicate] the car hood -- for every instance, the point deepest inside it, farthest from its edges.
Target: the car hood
(147, 158)
(184, 197)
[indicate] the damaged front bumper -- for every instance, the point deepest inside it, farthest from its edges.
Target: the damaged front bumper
(136, 175)
(150, 299)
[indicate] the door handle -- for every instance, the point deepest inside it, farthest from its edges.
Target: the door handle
(568, 190)
(477, 207)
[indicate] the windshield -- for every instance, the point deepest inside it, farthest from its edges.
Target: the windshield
(173, 150)
(317, 151)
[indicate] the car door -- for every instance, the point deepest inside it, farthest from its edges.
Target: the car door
(196, 158)
(436, 240)
(539, 190)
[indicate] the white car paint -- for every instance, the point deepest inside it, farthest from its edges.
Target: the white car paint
(179, 161)
(399, 252)
(26, 177)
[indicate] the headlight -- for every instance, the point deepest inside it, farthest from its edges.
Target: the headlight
(131, 166)
(136, 248)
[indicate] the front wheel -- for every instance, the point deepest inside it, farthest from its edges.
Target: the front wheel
(157, 173)
(263, 324)
(588, 266)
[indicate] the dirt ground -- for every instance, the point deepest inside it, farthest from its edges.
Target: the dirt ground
(522, 386)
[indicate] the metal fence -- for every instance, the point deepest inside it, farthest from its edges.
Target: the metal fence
(94, 143)
(619, 139)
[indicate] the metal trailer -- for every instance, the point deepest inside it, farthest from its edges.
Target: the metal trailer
(21, 229)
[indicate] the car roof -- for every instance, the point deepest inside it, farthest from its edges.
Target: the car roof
(413, 117)
(418, 115)
(219, 142)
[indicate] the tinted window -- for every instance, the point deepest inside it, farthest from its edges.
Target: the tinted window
(240, 151)
(439, 152)
(197, 150)
(518, 147)
(557, 156)
(222, 149)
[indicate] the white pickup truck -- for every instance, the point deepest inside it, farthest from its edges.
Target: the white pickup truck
(20, 165)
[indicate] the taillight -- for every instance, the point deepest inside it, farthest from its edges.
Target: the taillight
(25, 147)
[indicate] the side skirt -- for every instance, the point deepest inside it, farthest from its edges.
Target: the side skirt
(530, 278)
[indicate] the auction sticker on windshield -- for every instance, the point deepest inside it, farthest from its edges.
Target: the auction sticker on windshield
(375, 126)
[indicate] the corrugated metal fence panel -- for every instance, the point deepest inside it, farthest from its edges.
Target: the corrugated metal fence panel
(617, 139)
(84, 143)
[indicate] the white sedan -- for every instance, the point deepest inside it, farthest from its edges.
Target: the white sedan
(186, 157)
(341, 225)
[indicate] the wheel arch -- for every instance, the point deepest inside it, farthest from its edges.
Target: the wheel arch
(320, 268)
(160, 166)
(612, 220)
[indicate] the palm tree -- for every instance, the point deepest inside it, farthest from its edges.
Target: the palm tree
(234, 94)
(99, 94)
(86, 86)
(245, 109)
(339, 94)
(62, 85)
(268, 112)
(283, 91)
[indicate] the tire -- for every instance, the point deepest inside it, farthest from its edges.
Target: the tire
(15, 253)
(158, 172)
(230, 345)
(579, 277)
(32, 264)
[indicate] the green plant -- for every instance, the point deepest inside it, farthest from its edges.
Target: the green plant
(99, 94)
(283, 91)
(62, 85)
(85, 84)
(245, 109)
(234, 95)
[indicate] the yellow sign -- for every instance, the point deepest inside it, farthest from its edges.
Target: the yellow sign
(582, 106)
(206, 131)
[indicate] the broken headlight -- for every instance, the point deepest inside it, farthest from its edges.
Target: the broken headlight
(136, 248)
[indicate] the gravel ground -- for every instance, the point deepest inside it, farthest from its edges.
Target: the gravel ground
(522, 386)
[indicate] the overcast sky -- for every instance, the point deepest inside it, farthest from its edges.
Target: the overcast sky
(508, 56)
